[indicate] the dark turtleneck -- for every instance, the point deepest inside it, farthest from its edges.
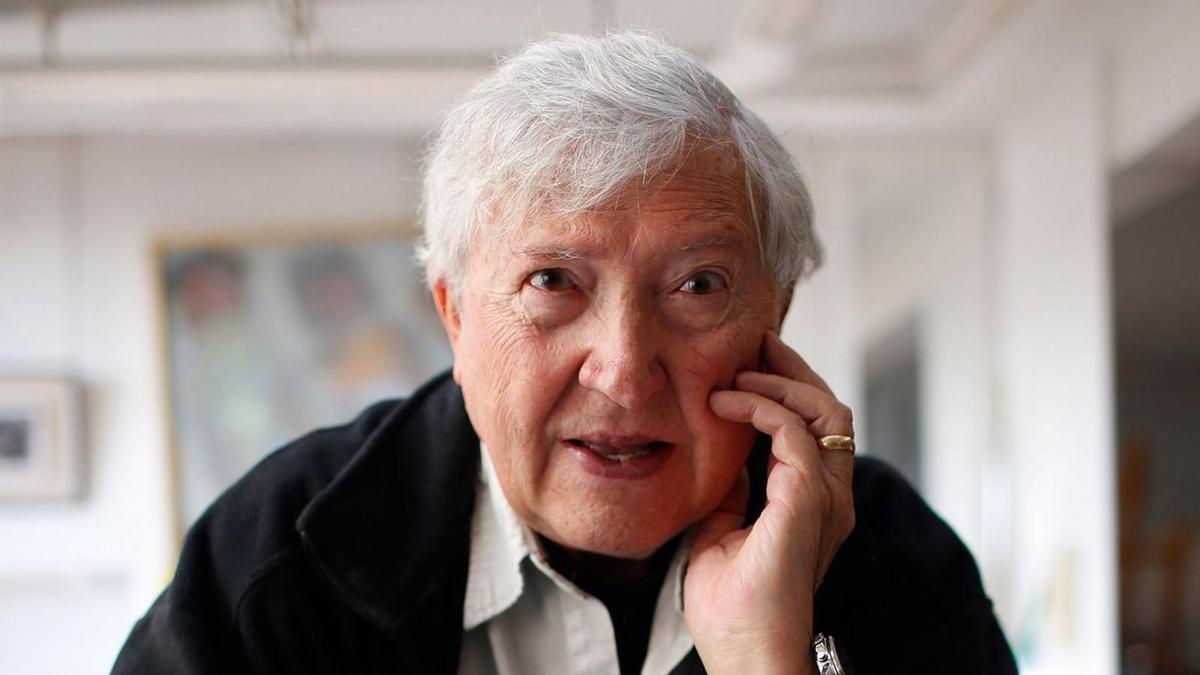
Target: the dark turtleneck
(628, 588)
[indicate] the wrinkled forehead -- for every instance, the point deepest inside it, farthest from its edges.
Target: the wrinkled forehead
(712, 179)
(706, 191)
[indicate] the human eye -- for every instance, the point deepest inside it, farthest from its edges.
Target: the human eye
(552, 280)
(704, 282)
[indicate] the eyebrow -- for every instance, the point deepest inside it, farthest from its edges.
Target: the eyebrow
(551, 253)
(720, 242)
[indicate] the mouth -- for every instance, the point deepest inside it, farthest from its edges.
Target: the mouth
(620, 455)
(619, 449)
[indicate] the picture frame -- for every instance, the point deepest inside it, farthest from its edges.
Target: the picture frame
(40, 438)
(267, 337)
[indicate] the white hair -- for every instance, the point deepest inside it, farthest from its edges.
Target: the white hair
(569, 123)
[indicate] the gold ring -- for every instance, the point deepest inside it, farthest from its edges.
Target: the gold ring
(837, 442)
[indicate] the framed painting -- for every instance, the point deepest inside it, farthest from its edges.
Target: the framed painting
(268, 339)
(40, 453)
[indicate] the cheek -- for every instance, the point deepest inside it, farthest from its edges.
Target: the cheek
(720, 447)
(710, 358)
(708, 361)
(510, 383)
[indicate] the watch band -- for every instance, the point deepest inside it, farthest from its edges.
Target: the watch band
(829, 661)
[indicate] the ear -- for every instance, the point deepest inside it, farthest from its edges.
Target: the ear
(445, 301)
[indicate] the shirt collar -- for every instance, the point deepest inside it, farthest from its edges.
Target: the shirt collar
(500, 543)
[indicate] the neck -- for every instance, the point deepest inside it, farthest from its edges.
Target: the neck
(588, 570)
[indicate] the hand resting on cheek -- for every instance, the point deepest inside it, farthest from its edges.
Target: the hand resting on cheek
(748, 594)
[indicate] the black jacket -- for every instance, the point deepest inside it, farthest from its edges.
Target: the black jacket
(346, 552)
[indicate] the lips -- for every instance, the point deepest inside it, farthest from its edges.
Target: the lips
(619, 455)
(619, 447)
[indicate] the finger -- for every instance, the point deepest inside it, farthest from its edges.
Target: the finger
(823, 413)
(791, 441)
(840, 465)
(792, 495)
(728, 517)
(783, 360)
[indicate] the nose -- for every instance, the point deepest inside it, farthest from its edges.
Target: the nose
(623, 360)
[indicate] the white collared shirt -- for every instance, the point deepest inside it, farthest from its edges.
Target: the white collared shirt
(521, 617)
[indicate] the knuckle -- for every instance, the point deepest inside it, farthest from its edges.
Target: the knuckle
(790, 440)
(752, 406)
(794, 425)
(792, 399)
(846, 415)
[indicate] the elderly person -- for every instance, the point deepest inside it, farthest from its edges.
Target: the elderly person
(628, 470)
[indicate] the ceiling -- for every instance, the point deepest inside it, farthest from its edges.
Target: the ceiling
(858, 69)
(846, 34)
(87, 66)
(1167, 170)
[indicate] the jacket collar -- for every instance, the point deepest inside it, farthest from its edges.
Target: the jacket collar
(391, 533)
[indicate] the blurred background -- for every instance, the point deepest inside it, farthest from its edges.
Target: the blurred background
(207, 208)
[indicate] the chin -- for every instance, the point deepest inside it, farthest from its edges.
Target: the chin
(624, 550)
(616, 535)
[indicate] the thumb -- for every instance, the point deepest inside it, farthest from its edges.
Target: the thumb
(727, 518)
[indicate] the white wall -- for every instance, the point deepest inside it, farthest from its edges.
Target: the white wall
(923, 253)
(823, 322)
(78, 220)
(1054, 370)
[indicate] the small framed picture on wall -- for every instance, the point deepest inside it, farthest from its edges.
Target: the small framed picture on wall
(40, 454)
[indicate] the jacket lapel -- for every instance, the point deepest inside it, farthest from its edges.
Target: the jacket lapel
(391, 533)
